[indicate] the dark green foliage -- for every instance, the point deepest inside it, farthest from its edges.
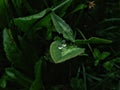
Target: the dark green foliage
(59, 45)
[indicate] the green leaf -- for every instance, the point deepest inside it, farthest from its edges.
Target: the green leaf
(62, 27)
(60, 54)
(96, 53)
(96, 40)
(104, 55)
(18, 57)
(79, 7)
(77, 84)
(98, 56)
(108, 65)
(37, 83)
(116, 60)
(15, 75)
(4, 17)
(25, 23)
(3, 82)
(13, 53)
(17, 4)
(61, 5)
(93, 40)
(81, 42)
(111, 19)
(63, 9)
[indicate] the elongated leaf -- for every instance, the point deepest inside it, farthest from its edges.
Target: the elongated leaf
(24, 23)
(111, 19)
(79, 7)
(17, 6)
(4, 17)
(62, 27)
(60, 54)
(14, 54)
(15, 75)
(12, 51)
(37, 83)
(93, 40)
(99, 40)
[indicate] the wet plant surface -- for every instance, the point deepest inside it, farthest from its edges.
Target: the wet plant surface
(59, 45)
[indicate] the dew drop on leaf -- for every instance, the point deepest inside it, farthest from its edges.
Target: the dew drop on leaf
(60, 47)
(64, 45)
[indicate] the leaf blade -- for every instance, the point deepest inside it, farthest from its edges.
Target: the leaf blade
(62, 27)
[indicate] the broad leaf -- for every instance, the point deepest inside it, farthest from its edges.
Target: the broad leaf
(25, 23)
(62, 27)
(19, 58)
(12, 51)
(39, 25)
(62, 53)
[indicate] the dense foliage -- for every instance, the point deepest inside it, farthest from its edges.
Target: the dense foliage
(59, 45)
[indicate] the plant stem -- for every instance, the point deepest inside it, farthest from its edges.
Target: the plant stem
(57, 7)
(85, 39)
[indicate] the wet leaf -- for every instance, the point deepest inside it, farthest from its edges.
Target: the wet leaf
(60, 55)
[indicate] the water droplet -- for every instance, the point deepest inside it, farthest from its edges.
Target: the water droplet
(60, 47)
(64, 45)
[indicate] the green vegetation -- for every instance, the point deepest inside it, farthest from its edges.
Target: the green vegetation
(59, 45)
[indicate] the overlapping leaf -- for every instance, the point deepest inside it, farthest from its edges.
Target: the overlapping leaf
(25, 23)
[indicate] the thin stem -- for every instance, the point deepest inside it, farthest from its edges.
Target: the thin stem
(84, 77)
(85, 39)
(78, 73)
(46, 3)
